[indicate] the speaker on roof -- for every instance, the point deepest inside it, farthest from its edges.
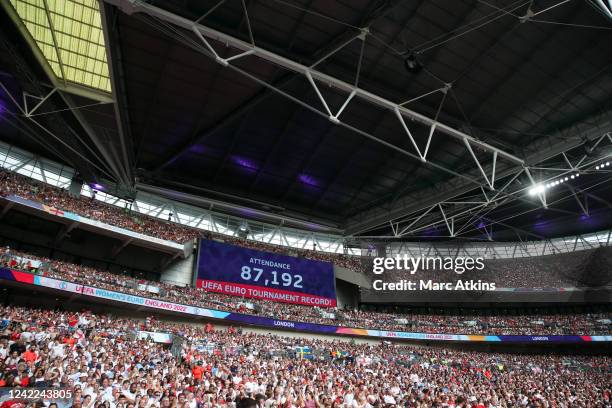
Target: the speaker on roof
(76, 184)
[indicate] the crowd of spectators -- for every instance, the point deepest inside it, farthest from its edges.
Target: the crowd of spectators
(575, 324)
(104, 364)
(16, 184)
(19, 185)
(507, 324)
(564, 270)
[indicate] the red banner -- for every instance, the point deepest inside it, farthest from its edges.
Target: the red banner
(259, 292)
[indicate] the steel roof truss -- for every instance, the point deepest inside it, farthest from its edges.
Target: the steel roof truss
(28, 112)
(584, 206)
(475, 211)
(205, 33)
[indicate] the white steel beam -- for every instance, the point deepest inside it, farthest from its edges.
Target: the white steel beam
(540, 151)
(474, 211)
(53, 36)
(403, 231)
(29, 112)
(361, 34)
(583, 206)
(451, 225)
(136, 6)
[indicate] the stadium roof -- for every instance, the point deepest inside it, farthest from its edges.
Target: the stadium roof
(69, 35)
(420, 120)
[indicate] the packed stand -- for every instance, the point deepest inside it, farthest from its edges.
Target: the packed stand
(575, 324)
(101, 361)
(16, 184)
(564, 270)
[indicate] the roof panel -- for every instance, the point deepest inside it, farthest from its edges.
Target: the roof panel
(69, 36)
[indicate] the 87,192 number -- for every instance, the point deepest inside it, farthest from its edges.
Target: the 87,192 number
(286, 279)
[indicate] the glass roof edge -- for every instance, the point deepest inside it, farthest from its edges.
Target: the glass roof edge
(63, 84)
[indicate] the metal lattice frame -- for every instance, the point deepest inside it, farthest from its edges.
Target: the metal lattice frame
(554, 146)
(493, 250)
(108, 166)
(479, 209)
(208, 37)
(452, 212)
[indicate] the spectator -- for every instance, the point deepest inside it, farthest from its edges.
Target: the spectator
(105, 368)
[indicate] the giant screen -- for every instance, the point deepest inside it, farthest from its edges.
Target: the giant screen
(249, 273)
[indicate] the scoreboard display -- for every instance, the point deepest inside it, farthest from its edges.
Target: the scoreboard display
(249, 273)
